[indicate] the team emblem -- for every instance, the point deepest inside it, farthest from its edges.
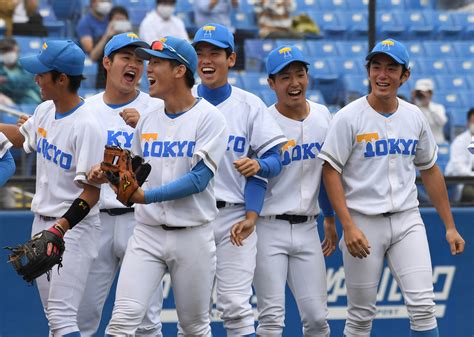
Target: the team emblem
(387, 44)
(45, 45)
(126, 183)
(208, 30)
(133, 36)
(286, 51)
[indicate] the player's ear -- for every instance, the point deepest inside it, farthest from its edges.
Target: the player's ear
(271, 83)
(107, 62)
(180, 71)
(405, 76)
(231, 60)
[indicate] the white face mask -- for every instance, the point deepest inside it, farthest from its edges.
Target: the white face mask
(165, 11)
(103, 8)
(10, 58)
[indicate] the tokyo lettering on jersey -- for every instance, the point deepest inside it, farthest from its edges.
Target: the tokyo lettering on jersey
(296, 189)
(173, 147)
(377, 155)
(252, 132)
(66, 149)
(118, 132)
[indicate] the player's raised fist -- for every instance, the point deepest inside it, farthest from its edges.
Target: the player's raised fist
(131, 116)
(247, 167)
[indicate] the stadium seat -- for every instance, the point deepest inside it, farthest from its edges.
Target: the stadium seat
(446, 27)
(354, 87)
(347, 65)
(438, 49)
(464, 49)
(421, 4)
(448, 99)
(316, 96)
(451, 83)
(326, 79)
(430, 66)
(466, 21)
(321, 49)
(268, 96)
(419, 25)
(416, 49)
(136, 15)
(389, 25)
(357, 5)
(246, 6)
(256, 52)
(254, 82)
(303, 6)
(357, 22)
(391, 5)
(354, 49)
(29, 44)
(245, 22)
(86, 93)
(443, 156)
(129, 4)
(235, 79)
(330, 24)
(90, 73)
(333, 5)
(461, 66)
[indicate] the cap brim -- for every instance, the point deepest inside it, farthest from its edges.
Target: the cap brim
(283, 65)
(213, 42)
(369, 57)
(33, 65)
(147, 54)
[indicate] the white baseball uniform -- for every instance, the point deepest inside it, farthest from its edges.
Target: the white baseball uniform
(377, 158)
(6, 170)
(5, 144)
(115, 229)
(173, 235)
(292, 251)
(252, 132)
(66, 147)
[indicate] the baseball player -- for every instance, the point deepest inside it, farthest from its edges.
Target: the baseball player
(184, 142)
(120, 98)
(64, 134)
(288, 247)
(252, 149)
(7, 164)
(372, 150)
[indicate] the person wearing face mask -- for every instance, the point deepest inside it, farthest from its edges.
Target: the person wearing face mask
(435, 113)
(216, 11)
(91, 28)
(15, 82)
(161, 21)
(461, 160)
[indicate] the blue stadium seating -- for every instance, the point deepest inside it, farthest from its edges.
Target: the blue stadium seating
(390, 4)
(466, 21)
(268, 96)
(357, 24)
(438, 49)
(90, 73)
(416, 49)
(321, 49)
(421, 4)
(333, 5)
(388, 24)
(430, 66)
(256, 52)
(330, 24)
(446, 27)
(354, 87)
(357, 5)
(304, 6)
(347, 65)
(464, 49)
(354, 49)
(254, 82)
(245, 22)
(137, 14)
(461, 65)
(315, 96)
(132, 4)
(235, 79)
(450, 83)
(29, 44)
(419, 25)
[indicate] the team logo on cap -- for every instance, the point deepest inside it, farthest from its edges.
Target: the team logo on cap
(387, 44)
(208, 30)
(286, 51)
(163, 39)
(133, 36)
(45, 45)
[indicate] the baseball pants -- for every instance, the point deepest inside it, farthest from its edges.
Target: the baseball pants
(62, 295)
(234, 273)
(115, 233)
(290, 253)
(401, 238)
(190, 257)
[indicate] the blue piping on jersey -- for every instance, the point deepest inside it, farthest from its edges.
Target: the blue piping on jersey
(215, 96)
(58, 115)
(176, 115)
(7, 167)
(116, 106)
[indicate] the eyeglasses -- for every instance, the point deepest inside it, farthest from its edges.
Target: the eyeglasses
(160, 46)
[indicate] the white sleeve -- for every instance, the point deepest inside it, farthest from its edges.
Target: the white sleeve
(439, 114)
(211, 140)
(28, 130)
(337, 147)
(89, 146)
(136, 141)
(265, 132)
(4, 145)
(426, 149)
(459, 159)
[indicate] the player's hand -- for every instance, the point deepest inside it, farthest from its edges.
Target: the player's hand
(247, 167)
(241, 230)
(130, 116)
(96, 175)
(138, 196)
(455, 240)
(329, 243)
(21, 120)
(356, 242)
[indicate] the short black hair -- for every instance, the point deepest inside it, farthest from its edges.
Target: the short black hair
(272, 76)
(404, 67)
(470, 113)
(189, 76)
(74, 81)
(118, 10)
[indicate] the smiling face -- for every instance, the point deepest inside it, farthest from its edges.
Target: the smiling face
(49, 89)
(385, 76)
(290, 84)
(213, 64)
(124, 70)
(163, 77)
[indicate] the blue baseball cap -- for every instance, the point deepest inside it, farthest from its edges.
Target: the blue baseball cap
(123, 40)
(282, 56)
(61, 55)
(396, 50)
(215, 34)
(171, 48)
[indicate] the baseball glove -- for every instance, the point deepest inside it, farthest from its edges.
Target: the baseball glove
(125, 173)
(39, 255)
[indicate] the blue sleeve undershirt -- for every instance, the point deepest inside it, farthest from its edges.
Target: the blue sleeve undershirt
(192, 182)
(324, 203)
(254, 194)
(7, 167)
(270, 163)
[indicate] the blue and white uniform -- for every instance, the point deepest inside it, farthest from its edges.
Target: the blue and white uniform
(7, 164)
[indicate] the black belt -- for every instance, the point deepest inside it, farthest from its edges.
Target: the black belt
(172, 228)
(293, 219)
(117, 211)
(222, 204)
(388, 214)
(47, 218)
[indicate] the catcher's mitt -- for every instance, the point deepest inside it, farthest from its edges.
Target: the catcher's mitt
(39, 255)
(124, 172)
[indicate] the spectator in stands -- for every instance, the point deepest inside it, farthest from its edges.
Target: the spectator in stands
(27, 20)
(461, 161)
(16, 83)
(161, 21)
(216, 11)
(91, 29)
(274, 18)
(118, 23)
(435, 113)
